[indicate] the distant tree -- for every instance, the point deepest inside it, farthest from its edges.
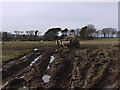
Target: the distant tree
(4, 36)
(36, 32)
(27, 33)
(52, 34)
(31, 32)
(21, 32)
(64, 32)
(108, 32)
(113, 32)
(90, 31)
(104, 32)
(82, 32)
(30, 35)
(24, 37)
(72, 32)
(87, 32)
(78, 31)
(98, 33)
(17, 33)
(118, 34)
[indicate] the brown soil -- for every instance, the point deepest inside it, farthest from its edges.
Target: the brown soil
(86, 67)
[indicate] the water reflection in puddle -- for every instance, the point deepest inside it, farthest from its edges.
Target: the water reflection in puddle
(35, 49)
(24, 57)
(56, 50)
(48, 67)
(24, 88)
(46, 78)
(22, 76)
(51, 59)
(2, 86)
(35, 60)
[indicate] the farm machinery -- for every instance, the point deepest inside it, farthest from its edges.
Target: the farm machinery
(69, 42)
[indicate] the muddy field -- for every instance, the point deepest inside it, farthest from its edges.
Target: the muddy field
(54, 67)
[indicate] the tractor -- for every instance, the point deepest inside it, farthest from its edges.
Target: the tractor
(69, 42)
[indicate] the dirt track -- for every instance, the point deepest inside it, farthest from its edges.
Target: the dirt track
(86, 67)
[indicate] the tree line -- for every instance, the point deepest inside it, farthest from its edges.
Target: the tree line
(86, 32)
(32, 35)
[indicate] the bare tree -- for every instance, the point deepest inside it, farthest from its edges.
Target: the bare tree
(78, 31)
(17, 32)
(98, 33)
(104, 32)
(30, 33)
(90, 31)
(27, 33)
(109, 32)
(21, 32)
(113, 32)
(118, 34)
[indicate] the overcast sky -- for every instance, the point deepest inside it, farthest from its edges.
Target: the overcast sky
(42, 16)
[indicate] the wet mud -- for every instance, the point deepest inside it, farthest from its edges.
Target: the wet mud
(54, 67)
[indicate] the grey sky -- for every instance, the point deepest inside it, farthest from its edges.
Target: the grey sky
(42, 16)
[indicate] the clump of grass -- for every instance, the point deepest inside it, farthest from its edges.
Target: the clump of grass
(100, 71)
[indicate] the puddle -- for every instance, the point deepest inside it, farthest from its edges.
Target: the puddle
(46, 78)
(2, 86)
(35, 49)
(24, 57)
(24, 88)
(51, 59)
(41, 41)
(1, 42)
(56, 50)
(35, 60)
(22, 76)
(48, 67)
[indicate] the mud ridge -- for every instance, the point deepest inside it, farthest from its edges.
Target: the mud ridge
(71, 69)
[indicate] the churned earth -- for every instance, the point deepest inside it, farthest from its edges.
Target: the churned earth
(54, 67)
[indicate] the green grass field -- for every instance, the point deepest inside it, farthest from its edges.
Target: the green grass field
(100, 42)
(14, 49)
